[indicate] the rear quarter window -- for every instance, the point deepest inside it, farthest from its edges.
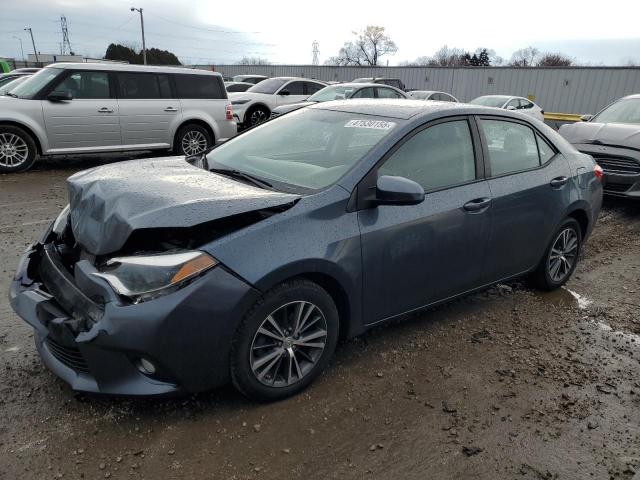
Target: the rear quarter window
(199, 86)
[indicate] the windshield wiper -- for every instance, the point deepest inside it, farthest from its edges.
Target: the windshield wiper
(9, 94)
(244, 176)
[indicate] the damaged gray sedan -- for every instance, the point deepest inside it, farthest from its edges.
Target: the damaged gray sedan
(249, 263)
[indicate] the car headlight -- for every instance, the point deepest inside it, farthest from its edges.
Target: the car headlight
(60, 223)
(146, 277)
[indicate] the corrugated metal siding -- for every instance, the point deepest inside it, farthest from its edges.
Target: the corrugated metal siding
(567, 90)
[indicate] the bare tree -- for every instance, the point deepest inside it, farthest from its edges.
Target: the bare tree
(554, 60)
(371, 44)
(253, 61)
(525, 57)
(448, 57)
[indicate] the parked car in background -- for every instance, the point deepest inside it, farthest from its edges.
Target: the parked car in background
(343, 91)
(255, 105)
(238, 86)
(431, 95)
(612, 137)
(248, 264)
(7, 87)
(87, 108)
(9, 77)
(520, 104)
(249, 78)
(29, 70)
(394, 82)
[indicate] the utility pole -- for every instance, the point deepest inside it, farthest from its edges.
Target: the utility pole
(33, 42)
(144, 48)
(21, 49)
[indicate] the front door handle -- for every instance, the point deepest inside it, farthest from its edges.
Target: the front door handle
(171, 109)
(559, 182)
(105, 110)
(477, 204)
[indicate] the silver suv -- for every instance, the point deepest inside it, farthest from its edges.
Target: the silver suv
(88, 108)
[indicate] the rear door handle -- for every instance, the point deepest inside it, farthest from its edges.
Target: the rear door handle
(477, 204)
(171, 109)
(559, 182)
(105, 110)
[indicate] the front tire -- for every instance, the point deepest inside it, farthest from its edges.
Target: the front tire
(285, 341)
(18, 151)
(256, 116)
(192, 139)
(560, 258)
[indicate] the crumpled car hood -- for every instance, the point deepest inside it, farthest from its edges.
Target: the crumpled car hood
(108, 203)
(617, 134)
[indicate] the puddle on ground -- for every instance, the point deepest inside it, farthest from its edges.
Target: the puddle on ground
(566, 296)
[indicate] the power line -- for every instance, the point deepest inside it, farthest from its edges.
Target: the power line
(198, 28)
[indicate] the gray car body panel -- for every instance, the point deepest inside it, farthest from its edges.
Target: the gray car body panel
(109, 203)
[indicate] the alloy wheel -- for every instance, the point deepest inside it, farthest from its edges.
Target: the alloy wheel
(288, 344)
(258, 116)
(194, 142)
(563, 254)
(13, 150)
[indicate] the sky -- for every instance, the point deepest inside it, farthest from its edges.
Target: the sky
(218, 32)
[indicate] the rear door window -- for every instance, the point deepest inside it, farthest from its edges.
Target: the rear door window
(198, 86)
(364, 93)
(388, 93)
(512, 146)
(143, 86)
(313, 87)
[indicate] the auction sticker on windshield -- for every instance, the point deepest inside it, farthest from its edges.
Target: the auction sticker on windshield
(377, 124)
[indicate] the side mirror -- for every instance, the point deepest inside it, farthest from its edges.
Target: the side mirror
(586, 118)
(511, 107)
(284, 92)
(60, 96)
(392, 190)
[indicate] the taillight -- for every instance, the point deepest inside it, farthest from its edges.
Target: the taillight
(597, 170)
(229, 112)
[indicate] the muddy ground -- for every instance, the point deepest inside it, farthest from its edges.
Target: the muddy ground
(508, 383)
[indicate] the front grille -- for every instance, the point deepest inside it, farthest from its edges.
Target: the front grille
(616, 187)
(619, 165)
(70, 356)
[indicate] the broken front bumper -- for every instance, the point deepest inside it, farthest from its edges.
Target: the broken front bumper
(95, 342)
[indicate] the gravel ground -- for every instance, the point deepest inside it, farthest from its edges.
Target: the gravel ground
(508, 383)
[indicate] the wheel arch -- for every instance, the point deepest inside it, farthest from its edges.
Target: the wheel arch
(27, 129)
(337, 284)
(579, 211)
(195, 121)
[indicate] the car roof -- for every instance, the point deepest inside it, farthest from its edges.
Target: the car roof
(127, 67)
(635, 95)
(250, 75)
(238, 83)
(406, 109)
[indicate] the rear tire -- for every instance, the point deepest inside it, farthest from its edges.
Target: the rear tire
(18, 150)
(192, 139)
(561, 257)
(285, 341)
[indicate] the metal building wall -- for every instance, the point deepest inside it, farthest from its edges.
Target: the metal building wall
(565, 90)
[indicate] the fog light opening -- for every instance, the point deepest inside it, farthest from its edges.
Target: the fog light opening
(145, 366)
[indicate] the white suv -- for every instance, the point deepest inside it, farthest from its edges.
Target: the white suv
(88, 108)
(254, 106)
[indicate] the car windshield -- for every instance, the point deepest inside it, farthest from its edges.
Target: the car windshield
(331, 93)
(308, 149)
(623, 111)
(270, 85)
(30, 87)
(497, 102)
(419, 95)
(7, 87)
